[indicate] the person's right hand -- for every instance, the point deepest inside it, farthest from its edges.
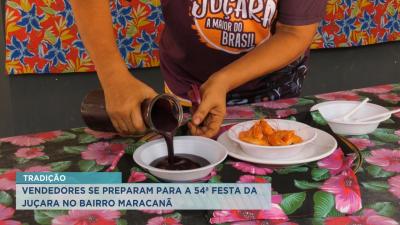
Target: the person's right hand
(123, 96)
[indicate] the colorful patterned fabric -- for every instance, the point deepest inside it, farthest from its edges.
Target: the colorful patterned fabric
(324, 192)
(41, 36)
(358, 22)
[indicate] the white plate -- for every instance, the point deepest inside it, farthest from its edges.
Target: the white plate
(321, 147)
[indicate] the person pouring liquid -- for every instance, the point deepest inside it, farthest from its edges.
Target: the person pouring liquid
(237, 51)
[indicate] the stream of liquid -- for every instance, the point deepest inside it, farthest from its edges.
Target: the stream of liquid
(166, 123)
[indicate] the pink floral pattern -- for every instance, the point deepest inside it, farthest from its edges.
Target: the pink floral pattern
(369, 217)
(136, 177)
(6, 215)
(38, 169)
(341, 95)
(23, 140)
(29, 153)
(252, 179)
(380, 182)
(159, 220)
(388, 159)
(336, 162)
(275, 214)
(264, 222)
(283, 113)
(377, 89)
(346, 190)
(33, 139)
(390, 97)
(276, 199)
(250, 168)
(208, 177)
(225, 216)
(240, 112)
(103, 152)
(278, 104)
(92, 217)
(394, 183)
(361, 143)
(158, 212)
(100, 135)
(7, 179)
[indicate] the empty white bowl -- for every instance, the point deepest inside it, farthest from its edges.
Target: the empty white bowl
(332, 110)
(206, 148)
(307, 133)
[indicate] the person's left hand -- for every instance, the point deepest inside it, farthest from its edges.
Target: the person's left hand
(208, 117)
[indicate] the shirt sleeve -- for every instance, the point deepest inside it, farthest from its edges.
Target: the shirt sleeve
(301, 12)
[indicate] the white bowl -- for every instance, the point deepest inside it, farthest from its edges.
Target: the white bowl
(307, 133)
(332, 110)
(206, 148)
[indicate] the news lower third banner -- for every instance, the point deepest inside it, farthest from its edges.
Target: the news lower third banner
(104, 190)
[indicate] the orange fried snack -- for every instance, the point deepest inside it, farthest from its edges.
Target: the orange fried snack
(254, 135)
(266, 128)
(261, 133)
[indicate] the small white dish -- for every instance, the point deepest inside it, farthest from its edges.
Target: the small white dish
(334, 109)
(324, 145)
(206, 148)
(306, 132)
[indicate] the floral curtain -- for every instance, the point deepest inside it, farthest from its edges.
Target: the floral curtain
(41, 36)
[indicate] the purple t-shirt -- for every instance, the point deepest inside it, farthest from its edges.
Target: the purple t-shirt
(202, 36)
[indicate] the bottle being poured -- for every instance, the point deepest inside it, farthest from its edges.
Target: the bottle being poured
(162, 114)
(163, 119)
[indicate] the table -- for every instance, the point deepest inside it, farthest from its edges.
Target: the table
(323, 192)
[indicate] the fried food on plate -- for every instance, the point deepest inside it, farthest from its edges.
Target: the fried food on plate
(261, 133)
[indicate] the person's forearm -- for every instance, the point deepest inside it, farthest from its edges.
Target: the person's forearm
(93, 18)
(285, 46)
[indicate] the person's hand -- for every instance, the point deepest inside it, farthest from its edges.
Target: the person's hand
(123, 97)
(208, 117)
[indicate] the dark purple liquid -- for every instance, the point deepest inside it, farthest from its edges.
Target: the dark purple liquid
(166, 123)
(94, 113)
(181, 162)
(163, 116)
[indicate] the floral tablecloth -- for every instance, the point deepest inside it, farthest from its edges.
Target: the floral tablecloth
(325, 192)
(41, 36)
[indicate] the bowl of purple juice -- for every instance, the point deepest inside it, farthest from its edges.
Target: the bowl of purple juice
(193, 158)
